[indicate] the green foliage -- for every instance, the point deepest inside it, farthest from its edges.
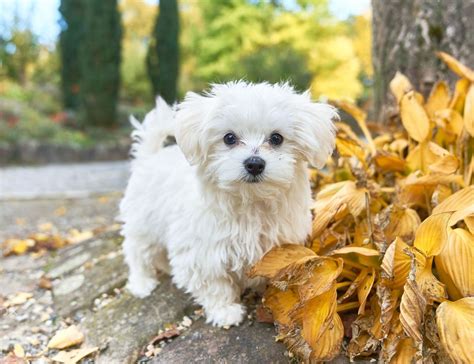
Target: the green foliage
(163, 53)
(70, 39)
(17, 52)
(100, 62)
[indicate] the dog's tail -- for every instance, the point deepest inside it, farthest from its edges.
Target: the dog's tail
(149, 136)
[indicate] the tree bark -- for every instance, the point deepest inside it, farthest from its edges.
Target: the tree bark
(406, 36)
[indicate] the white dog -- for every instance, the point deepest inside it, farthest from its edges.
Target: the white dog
(235, 185)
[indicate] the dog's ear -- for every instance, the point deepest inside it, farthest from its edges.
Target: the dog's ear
(315, 130)
(191, 118)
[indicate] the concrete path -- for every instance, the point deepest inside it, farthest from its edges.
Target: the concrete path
(63, 180)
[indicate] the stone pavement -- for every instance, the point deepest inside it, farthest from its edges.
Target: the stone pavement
(62, 180)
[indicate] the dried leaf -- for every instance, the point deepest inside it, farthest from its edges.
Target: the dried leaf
(455, 264)
(439, 98)
(278, 258)
(364, 290)
(322, 279)
(455, 322)
(65, 338)
(397, 263)
(414, 117)
(458, 201)
(456, 66)
(389, 162)
(412, 310)
(403, 223)
(432, 234)
(405, 352)
(469, 111)
(329, 344)
(460, 91)
(432, 289)
(400, 85)
(281, 303)
(357, 250)
(316, 315)
(73, 356)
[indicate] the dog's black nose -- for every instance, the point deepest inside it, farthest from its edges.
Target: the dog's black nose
(254, 165)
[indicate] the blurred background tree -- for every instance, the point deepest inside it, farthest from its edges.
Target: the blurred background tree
(408, 33)
(163, 52)
(113, 56)
(70, 40)
(100, 62)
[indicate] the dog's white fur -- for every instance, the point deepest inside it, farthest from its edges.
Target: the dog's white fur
(188, 209)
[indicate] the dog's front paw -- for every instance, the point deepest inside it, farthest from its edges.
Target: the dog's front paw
(141, 287)
(228, 315)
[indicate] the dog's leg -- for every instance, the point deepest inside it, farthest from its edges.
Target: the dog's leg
(141, 277)
(218, 295)
(220, 299)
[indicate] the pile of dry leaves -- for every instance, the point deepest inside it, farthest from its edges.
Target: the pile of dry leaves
(390, 263)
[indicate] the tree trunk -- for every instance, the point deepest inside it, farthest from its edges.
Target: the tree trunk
(406, 36)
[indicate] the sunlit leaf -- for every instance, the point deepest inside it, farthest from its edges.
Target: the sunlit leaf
(414, 117)
(364, 290)
(357, 250)
(460, 91)
(439, 98)
(455, 322)
(316, 315)
(400, 85)
(432, 234)
(458, 201)
(329, 343)
(403, 223)
(412, 310)
(405, 352)
(322, 279)
(397, 263)
(66, 338)
(455, 264)
(469, 111)
(456, 66)
(278, 258)
(281, 303)
(389, 162)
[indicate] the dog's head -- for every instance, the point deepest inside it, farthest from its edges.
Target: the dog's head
(241, 133)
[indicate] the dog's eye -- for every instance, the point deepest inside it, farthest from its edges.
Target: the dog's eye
(276, 139)
(230, 139)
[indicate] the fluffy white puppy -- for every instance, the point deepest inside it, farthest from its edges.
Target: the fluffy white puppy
(235, 185)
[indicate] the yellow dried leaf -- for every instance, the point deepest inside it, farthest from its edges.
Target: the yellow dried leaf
(322, 279)
(357, 250)
(73, 356)
(349, 148)
(66, 338)
(405, 352)
(329, 344)
(414, 117)
(278, 258)
(403, 223)
(456, 66)
(412, 310)
(397, 263)
(316, 315)
(460, 91)
(389, 162)
(364, 290)
(461, 215)
(445, 165)
(455, 264)
(439, 98)
(455, 321)
(360, 116)
(458, 201)
(354, 285)
(469, 111)
(432, 234)
(432, 289)
(400, 85)
(450, 121)
(433, 180)
(281, 303)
